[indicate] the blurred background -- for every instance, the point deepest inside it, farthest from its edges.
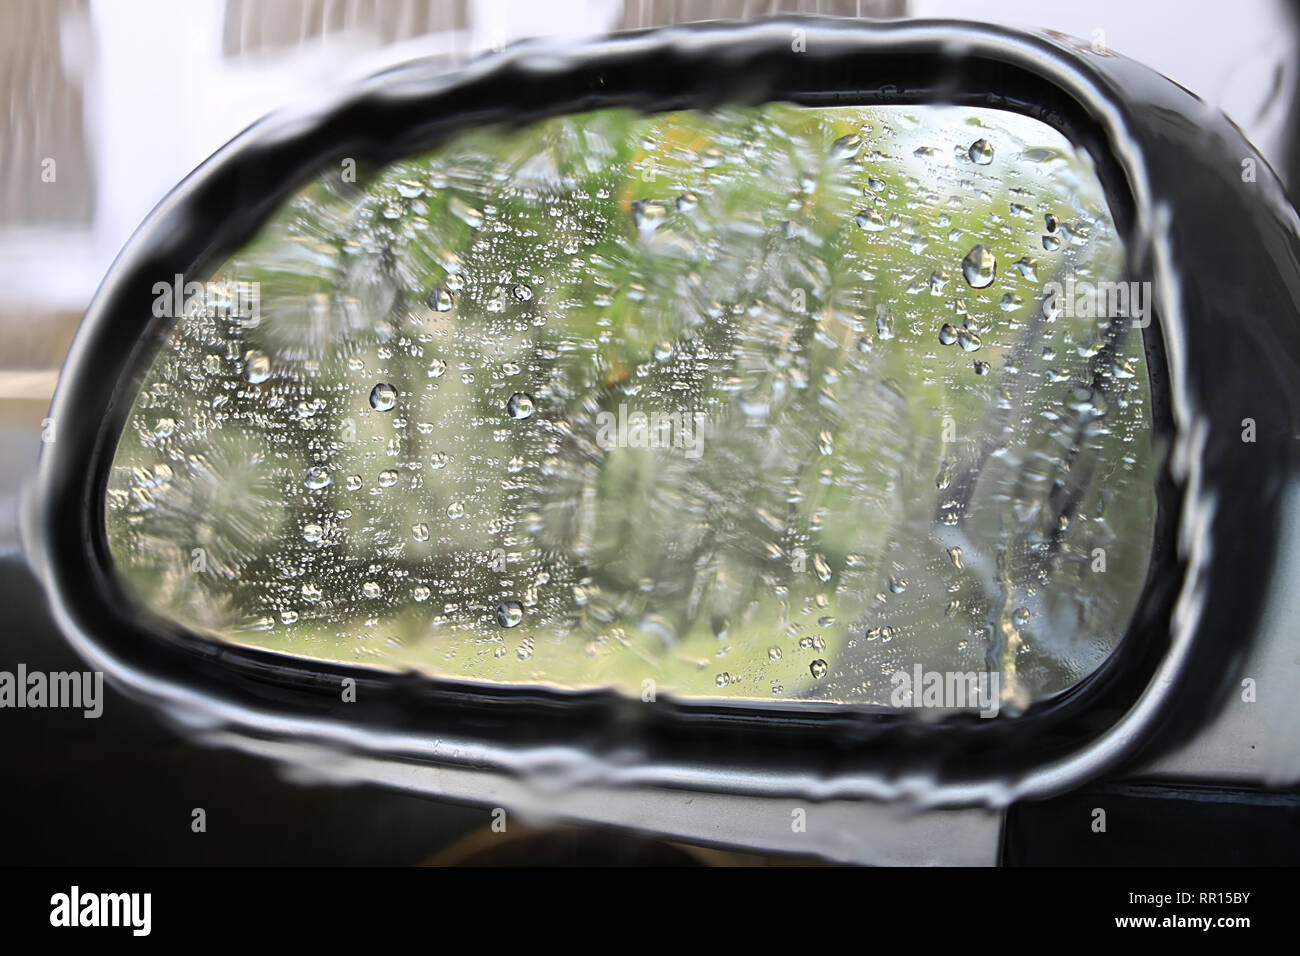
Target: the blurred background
(112, 102)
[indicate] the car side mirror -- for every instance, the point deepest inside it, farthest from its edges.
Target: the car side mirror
(803, 407)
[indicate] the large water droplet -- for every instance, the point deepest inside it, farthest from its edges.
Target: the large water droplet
(870, 220)
(980, 152)
(846, 147)
(979, 267)
(520, 406)
(383, 397)
(509, 613)
(648, 215)
(257, 367)
(968, 340)
(317, 477)
(441, 300)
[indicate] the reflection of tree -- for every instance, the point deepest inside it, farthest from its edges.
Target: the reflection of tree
(737, 282)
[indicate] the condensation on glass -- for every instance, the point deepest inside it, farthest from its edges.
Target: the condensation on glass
(767, 403)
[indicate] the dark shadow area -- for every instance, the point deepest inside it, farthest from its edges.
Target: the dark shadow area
(121, 789)
(1155, 825)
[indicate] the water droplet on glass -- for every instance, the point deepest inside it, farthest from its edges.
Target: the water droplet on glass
(774, 653)
(818, 668)
(383, 397)
(354, 483)
(437, 368)
(1027, 267)
(870, 220)
(317, 477)
(441, 300)
(846, 147)
(257, 367)
(455, 510)
(981, 152)
(520, 406)
(947, 334)
(387, 478)
(648, 215)
(523, 292)
(509, 613)
(371, 590)
(968, 340)
(979, 267)
(420, 531)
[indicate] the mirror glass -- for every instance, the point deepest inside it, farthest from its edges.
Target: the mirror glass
(768, 403)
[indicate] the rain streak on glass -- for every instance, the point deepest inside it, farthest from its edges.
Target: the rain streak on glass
(759, 403)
